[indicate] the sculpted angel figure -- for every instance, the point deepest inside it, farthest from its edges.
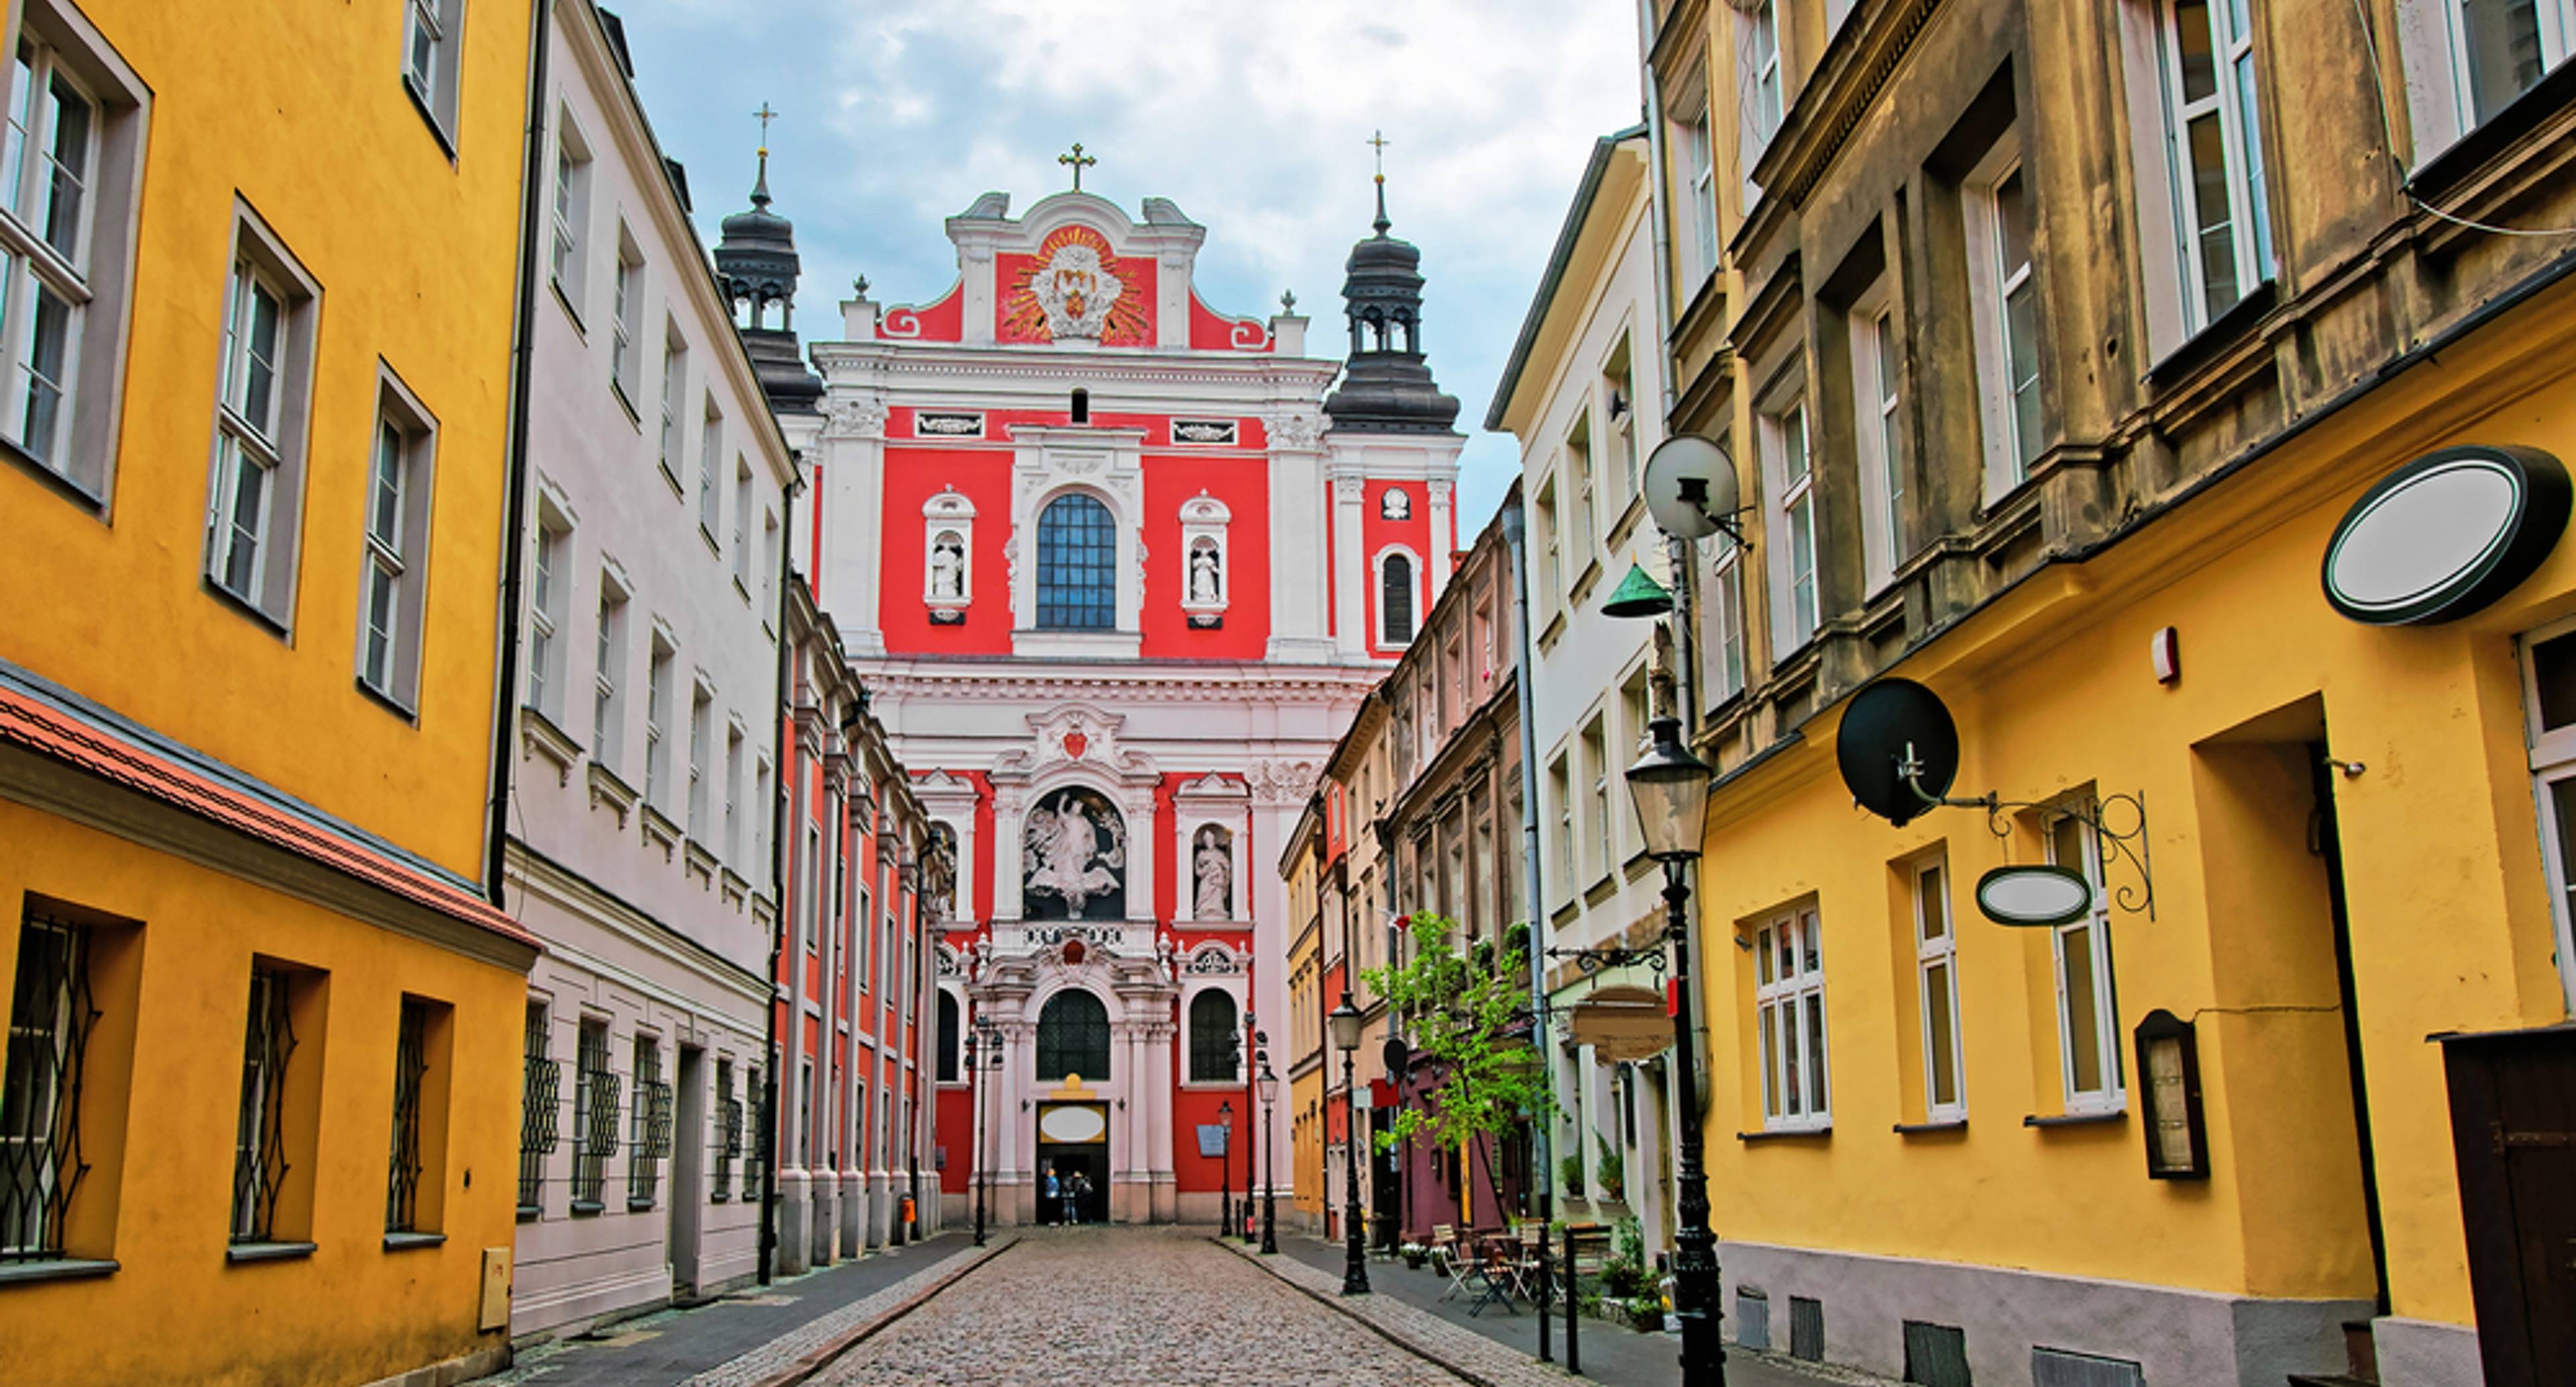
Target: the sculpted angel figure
(1066, 856)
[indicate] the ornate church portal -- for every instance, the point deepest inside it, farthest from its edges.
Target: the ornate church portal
(1116, 568)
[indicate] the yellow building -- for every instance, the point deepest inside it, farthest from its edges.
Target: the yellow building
(2053, 353)
(263, 1072)
(1302, 869)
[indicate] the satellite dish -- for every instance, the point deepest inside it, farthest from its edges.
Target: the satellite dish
(2034, 895)
(1889, 728)
(1690, 487)
(1397, 1055)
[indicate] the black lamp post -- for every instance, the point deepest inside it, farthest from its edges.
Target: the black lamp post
(1670, 788)
(1345, 1020)
(983, 1058)
(1252, 1038)
(1225, 1167)
(1269, 1159)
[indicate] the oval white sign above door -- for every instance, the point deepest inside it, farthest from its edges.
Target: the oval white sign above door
(2445, 535)
(2034, 896)
(1073, 1123)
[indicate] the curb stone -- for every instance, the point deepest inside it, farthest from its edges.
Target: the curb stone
(915, 1292)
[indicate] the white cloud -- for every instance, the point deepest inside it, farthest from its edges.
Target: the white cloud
(1252, 116)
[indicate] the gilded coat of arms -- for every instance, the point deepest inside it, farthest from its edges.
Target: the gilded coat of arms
(1071, 291)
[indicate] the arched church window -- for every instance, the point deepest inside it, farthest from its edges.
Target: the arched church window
(1395, 599)
(948, 1037)
(1074, 858)
(1073, 1037)
(1077, 565)
(1214, 1048)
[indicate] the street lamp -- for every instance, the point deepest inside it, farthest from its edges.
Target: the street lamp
(1225, 1168)
(1345, 1020)
(1252, 1058)
(1269, 1157)
(1670, 787)
(983, 1057)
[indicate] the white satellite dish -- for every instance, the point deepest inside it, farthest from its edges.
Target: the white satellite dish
(1690, 487)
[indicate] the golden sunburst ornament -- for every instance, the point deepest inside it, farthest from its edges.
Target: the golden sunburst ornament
(1071, 289)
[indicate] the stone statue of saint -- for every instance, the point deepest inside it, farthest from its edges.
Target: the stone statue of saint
(947, 570)
(1214, 867)
(1066, 856)
(1203, 581)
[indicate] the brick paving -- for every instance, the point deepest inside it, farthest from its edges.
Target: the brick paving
(1110, 1307)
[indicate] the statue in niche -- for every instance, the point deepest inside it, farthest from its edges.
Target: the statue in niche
(1077, 858)
(1395, 504)
(947, 568)
(1212, 862)
(1203, 576)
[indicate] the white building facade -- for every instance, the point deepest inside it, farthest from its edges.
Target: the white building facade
(639, 845)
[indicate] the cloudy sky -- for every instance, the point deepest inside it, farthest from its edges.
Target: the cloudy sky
(1253, 115)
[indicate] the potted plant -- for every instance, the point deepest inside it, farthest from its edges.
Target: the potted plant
(1645, 1313)
(1611, 1167)
(1414, 1254)
(1569, 1175)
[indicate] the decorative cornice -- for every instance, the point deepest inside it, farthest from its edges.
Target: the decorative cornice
(1223, 684)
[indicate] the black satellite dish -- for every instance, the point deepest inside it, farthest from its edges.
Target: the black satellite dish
(1898, 749)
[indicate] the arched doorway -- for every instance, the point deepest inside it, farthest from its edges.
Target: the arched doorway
(1073, 1133)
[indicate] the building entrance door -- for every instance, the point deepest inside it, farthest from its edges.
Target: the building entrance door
(2513, 1126)
(1073, 1140)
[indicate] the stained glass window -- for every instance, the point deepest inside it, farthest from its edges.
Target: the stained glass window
(1077, 566)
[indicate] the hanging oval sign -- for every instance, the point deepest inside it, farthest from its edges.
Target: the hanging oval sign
(2446, 534)
(2034, 896)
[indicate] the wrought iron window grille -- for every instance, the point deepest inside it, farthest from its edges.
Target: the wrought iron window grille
(595, 1118)
(540, 1090)
(259, 1148)
(411, 1065)
(729, 1145)
(652, 1142)
(755, 1106)
(50, 1020)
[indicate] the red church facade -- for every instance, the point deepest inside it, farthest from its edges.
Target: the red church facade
(1114, 570)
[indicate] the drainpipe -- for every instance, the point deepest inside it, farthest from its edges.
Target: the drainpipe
(1542, 1156)
(1678, 553)
(522, 370)
(777, 886)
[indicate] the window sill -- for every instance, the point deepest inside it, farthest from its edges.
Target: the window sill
(1936, 1127)
(2214, 337)
(538, 735)
(585, 1208)
(741, 590)
(429, 116)
(530, 1213)
(244, 605)
(71, 488)
(1786, 1134)
(617, 388)
(564, 296)
(2461, 160)
(1601, 889)
(719, 1197)
(671, 479)
(710, 537)
(388, 702)
(239, 1253)
(2076, 1119)
(59, 1269)
(405, 1242)
(1629, 515)
(1583, 583)
(1548, 634)
(639, 1206)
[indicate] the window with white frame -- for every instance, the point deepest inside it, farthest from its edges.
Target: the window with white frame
(675, 379)
(266, 384)
(1619, 407)
(608, 675)
(1583, 495)
(742, 525)
(549, 588)
(1790, 479)
(2004, 298)
(2549, 698)
(626, 310)
(1551, 567)
(570, 263)
(1789, 1018)
(768, 563)
(760, 811)
(657, 722)
(1560, 790)
(733, 793)
(1936, 975)
(2088, 999)
(1876, 365)
(2214, 152)
(1396, 598)
(1726, 620)
(1699, 159)
(396, 545)
(711, 461)
(1759, 77)
(2501, 48)
(1600, 852)
(701, 745)
(432, 37)
(67, 210)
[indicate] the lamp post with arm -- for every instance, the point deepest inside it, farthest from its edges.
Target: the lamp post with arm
(1269, 1083)
(983, 1059)
(1252, 1039)
(1670, 789)
(1225, 1167)
(1346, 1023)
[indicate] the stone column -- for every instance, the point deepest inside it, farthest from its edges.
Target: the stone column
(1444, 540)
(1158, 1130)
(853, 502)
(1297, 511)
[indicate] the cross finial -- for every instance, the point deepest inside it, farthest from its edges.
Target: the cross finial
(765, 116)
(1078, 161)
(1377, 139)
(760, 183)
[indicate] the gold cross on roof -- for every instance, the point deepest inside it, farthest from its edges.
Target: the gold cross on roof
(765, 116)
(1078, 161)
(1378, 139)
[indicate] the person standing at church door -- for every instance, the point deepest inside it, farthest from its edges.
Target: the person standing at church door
(1054, 1190)
(1078, 1196)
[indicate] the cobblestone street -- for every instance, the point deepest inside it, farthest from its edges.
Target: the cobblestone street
(1101, 1306)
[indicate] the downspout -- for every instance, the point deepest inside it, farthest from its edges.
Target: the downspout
(1680, 554)
(777, 887)
(1542, 1152)
(522, 372)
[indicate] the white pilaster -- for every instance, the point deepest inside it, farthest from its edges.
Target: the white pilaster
(1350, 568)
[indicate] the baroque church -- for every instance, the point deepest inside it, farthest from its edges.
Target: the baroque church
(1115, 566)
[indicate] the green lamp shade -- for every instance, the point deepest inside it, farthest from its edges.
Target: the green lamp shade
(1638, 594)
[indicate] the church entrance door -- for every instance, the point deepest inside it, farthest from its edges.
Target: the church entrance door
(1073, 1139)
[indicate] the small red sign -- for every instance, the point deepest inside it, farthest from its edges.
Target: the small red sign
(1672, 996)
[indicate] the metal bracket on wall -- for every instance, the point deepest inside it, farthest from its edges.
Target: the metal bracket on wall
(2129, 843)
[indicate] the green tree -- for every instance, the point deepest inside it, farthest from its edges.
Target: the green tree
(1467, 1014)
